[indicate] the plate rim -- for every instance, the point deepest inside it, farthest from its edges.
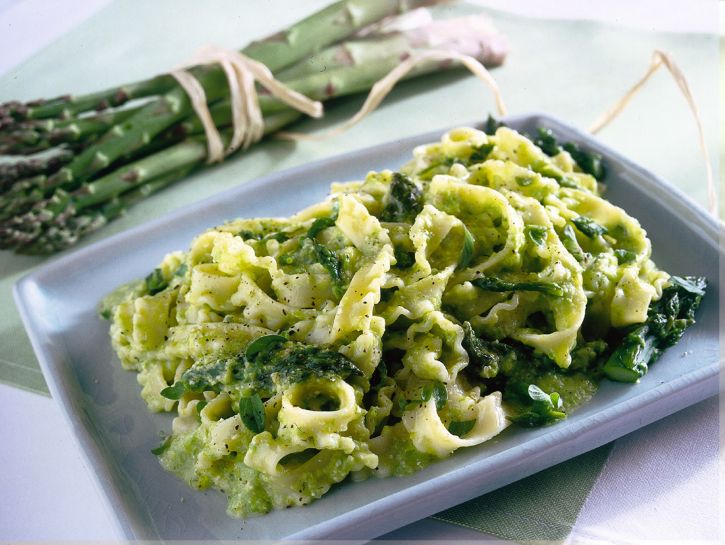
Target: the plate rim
(701, 384)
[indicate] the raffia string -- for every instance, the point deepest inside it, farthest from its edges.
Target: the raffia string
(242, 74)
(382, 88)
(660, 58)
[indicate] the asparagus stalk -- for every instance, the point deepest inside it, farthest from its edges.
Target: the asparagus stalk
(23, 228)
(324, 27)
(33, 136)
(58, 237)
(53, 224)
(33, 166)
(66, 106)
(356, 65)
(472, 35)
(311, 34)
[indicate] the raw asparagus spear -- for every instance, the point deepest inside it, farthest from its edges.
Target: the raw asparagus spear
(342, 81)
(277, 51)
(33, 166)
(33, 136)
(38, 230)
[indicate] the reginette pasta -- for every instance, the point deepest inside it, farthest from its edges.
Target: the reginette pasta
(406, 316)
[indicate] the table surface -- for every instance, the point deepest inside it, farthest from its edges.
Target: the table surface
(48, 493)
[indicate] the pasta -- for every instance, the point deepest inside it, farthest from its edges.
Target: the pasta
(408, 315)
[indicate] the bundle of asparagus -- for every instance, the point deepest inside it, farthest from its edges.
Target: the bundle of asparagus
(72, 164)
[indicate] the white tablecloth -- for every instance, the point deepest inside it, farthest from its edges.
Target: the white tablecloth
(660, 483)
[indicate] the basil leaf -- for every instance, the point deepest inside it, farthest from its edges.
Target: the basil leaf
(467, 250)
(251, 409)
(461, 428)
(427, 393)
(175, 391)
(537, 394)
(262, 345)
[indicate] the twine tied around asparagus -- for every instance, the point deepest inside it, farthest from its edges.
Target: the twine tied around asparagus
(661, 58)
(242, 73)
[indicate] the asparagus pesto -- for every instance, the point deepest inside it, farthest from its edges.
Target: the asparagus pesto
(408, 315)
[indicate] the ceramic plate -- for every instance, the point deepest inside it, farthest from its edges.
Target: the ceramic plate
(116, 432)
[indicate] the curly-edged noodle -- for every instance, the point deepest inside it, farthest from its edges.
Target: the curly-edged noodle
(361, 309)
(429, 433)
(495, 226)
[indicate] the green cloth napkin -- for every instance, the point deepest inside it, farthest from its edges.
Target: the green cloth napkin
(572, 70)
(540, 508)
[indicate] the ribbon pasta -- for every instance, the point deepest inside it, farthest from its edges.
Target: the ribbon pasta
(297, 351)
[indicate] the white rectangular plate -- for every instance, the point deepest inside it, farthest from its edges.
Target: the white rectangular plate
(102, 404)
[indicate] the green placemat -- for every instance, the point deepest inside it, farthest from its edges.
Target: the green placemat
(573, 70)
(540, 508)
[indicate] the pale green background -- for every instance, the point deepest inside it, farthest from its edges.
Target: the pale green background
(572, 70)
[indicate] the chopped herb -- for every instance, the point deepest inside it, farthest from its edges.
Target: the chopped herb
(203, 375)
(467, 249)
(200, 406)
(546, 140)
(484, 357)
(536, 406)
(490, 283)
(155, 282)
(279, 236)
(249, 235)
(625, 256)
(566, 181)
(589, 161)
(443, 163)
(181, 270)
(524, 181)
(440, 394)
(403, 259)
(292, 362)
(251, 410)
(319, 225)
(163, 447)
(480, 153)
(492, 125)
(536, 234)
(568, 239)
(405, 200)
(433, 390)
(589, 227)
